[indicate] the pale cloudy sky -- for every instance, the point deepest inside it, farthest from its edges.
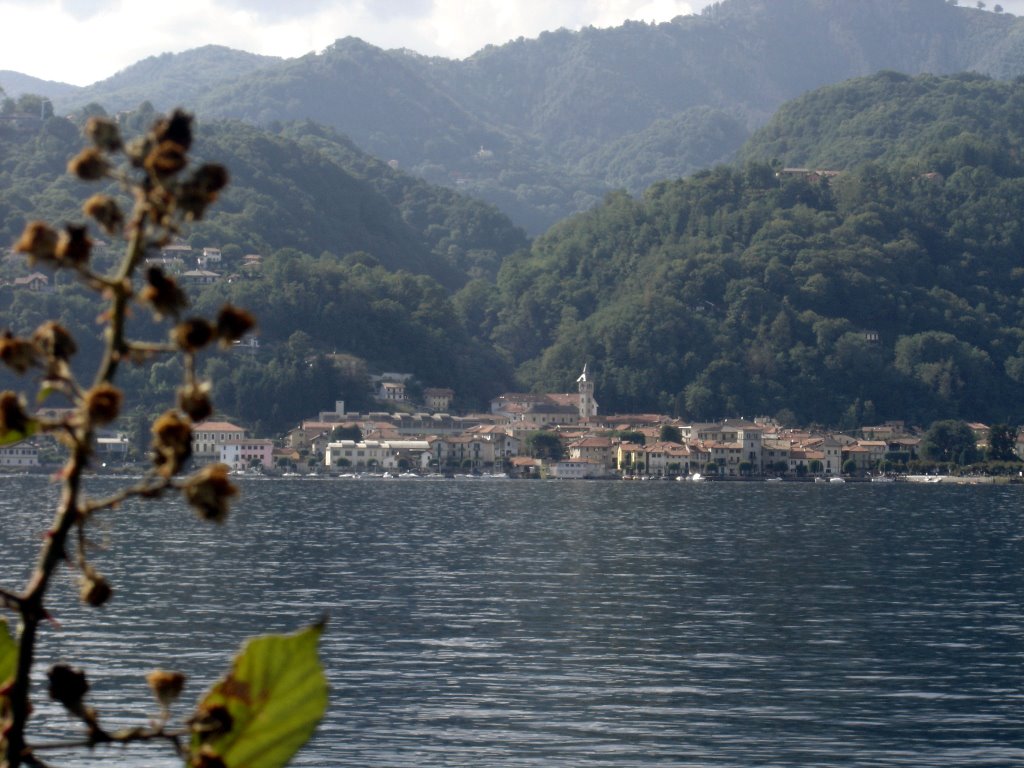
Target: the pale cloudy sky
(82, 41)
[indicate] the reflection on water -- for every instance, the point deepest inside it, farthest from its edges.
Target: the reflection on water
(578, 624)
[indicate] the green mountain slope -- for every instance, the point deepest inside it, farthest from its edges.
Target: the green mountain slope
(545, 127)
(360, 263)
(891, 290)
(314, 193)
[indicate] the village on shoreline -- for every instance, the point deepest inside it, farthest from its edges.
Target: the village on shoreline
(549, 435)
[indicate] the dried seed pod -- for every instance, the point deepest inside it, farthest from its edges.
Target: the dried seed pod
(89, 165)
(176, 128)
(166, 159)
(53, 340)
(74, 245)
(39, 241)
(233, 324)
(212, 721)
(17, 354)
(166, 686)
(105, 210)
(200, 191)
(13, 417)
(95, 590)
(103, 403)
(172, 443)
(192, 334)
(67, 685)
(194, 400)
(163, 293)
(208, 492)
(103, 133)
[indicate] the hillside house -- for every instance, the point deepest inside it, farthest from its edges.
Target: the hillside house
(199, 277)
(438, 399)
(37, 281)
(210, 258)
(391, 392)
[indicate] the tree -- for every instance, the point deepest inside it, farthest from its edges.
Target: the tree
(347, 432)
(949, 440)
(670, 434)
(1002, 442)
(545, 445)
(38, 106)
(272, 673)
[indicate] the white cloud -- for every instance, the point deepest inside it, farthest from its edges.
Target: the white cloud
(82, 41)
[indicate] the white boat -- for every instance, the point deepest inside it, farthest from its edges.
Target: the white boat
(697, 477)
(881, 479)
(836, 480)
(773, 480)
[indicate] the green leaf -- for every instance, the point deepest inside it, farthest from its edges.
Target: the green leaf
(275, 694)
(8, 654)
(14, 435)
(8, 669)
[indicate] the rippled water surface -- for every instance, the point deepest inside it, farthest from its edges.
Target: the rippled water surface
(505, 623)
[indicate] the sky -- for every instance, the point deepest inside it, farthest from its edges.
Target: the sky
(84, 41)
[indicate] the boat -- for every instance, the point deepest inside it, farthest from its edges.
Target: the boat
(697, 477)
(836, 480)
(773, 479)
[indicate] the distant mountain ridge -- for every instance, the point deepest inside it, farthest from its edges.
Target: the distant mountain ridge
(15, 84)
(546, 127)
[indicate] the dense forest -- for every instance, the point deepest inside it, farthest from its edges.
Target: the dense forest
(545, 127)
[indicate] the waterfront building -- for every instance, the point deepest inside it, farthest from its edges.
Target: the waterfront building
(242, 454)
(23, 454)
(208, 436)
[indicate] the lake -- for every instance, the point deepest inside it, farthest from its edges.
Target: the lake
(560, 623)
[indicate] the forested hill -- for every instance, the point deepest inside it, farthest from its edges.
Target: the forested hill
(890, 287)
(545, 127)
(303, 189)
(359, 265)
(931, 123)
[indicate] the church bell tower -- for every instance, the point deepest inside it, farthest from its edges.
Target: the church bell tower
(588, 407)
